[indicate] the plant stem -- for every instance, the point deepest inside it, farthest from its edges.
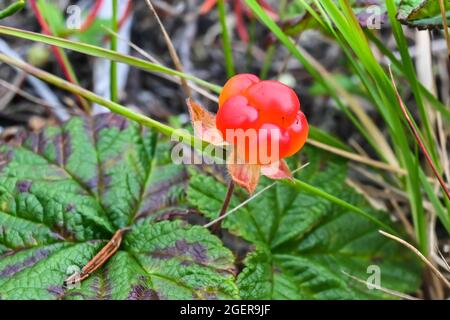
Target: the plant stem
(267, 63)
(226, 39)
(302, 186)
(445, 25)
(113, 70)
(59, 53)
(419, 140)
(12, 8)
(172, 52)
(126, 14)
(226, 202)
(90, 18)
(419, 254)
(100, 52)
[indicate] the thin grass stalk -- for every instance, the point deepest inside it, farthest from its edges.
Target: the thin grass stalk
(421, 143)
(100, 52)
(12, 9)
(59, 53)
(398, 67)
(381, 90)
(445, 25)
(113, 65)
(408, 67)
(173, 53)
(226, 42)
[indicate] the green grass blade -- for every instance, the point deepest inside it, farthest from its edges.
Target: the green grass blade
(101, 52)
(338, 18)
(385, 96)
(410, 74)
(435, 103)
(42, 7)
(113, 70)
(267, 63)
(443, 215)
(303, 186)
(226, 42)
(104, 53)
(326, 138)
(89, 95)
(12, 8)
(409, 158)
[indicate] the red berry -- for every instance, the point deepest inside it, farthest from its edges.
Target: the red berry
(236, 85)
(270, 135)
(298, 133)
(236, 114)
(276, 102)
(267, 114)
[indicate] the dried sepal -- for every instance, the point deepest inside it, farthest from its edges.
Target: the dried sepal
(204, 124)
(244, 174)
(277, 170)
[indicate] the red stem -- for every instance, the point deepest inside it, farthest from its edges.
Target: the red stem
(123, 18)
(226, 202)
(419, 140)
(46, 29)
(240, 24)
(207, 6)
(126, 14)
(90, 18)
(268, 9)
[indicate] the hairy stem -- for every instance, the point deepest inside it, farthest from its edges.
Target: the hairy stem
(226, 202)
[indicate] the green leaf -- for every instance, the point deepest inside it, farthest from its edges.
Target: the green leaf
(64, 192)
(305, 243)
(166, 260)
(422, 13)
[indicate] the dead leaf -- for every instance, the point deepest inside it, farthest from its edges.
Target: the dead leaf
(204, 124)
(245, 175)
